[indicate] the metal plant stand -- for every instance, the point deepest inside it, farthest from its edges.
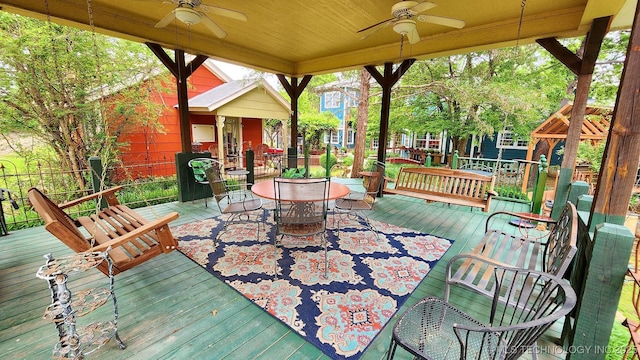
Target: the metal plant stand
(75, 342)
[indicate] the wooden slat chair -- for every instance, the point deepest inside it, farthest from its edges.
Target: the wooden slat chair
(132, 238)
(551, 253)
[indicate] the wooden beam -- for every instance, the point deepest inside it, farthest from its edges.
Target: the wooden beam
(294, 90)
(584, 68)
(564, 55)
(387, 81)
(622, 152)
(181, 71)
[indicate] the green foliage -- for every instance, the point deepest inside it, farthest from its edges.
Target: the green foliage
(294, 173)
(53, 78)
(588, 154)
(347, 160)
(511, 192)
(617, 341)
(332, 160)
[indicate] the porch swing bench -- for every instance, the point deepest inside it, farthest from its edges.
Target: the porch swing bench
(448, 186)
(132, 239)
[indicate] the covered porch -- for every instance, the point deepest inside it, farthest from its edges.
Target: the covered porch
(170, 307)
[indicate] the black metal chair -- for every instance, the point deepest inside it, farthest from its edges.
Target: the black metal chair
(235, 201)
(301, 218)
(357, 203)
(198, 167)
(435, 328)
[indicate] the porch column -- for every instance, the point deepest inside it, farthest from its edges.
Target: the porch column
(608, 253)
(583, 68)
(294, 90)
(387, 81)
(181, 71)
(220, 120)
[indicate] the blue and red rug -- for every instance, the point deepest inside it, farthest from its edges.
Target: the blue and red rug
(368, 279)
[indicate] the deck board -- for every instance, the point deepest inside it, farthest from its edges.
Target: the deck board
(167, 304)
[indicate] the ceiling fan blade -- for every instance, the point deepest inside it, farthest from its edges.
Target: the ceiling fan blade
(413, 36)
(232, 14)
(166, 20)
(439, 20)
(376, 30)
(211, 25)
(374, 25)
(423, 6)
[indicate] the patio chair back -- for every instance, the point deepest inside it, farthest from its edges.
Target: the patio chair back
(305, 217)
(373, 183)
(435, 328)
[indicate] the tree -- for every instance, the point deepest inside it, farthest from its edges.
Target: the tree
(361, 122)
(55, 84)
(475, 94)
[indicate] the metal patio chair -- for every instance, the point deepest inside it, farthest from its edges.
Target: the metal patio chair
(302, 217)
(435, 328)
(198, 167)
(357, 203)
(233, 200)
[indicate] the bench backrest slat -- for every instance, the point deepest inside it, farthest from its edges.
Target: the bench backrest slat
(456, 183)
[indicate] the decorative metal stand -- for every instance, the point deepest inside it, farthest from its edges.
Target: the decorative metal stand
(74, 342)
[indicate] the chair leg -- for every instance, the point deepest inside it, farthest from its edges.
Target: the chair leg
(392, 349)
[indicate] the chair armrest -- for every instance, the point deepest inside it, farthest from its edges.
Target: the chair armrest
(492, 193)
(107, 194)
(152, 225)
(520, 215)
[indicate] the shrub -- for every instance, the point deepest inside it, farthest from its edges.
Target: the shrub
(332, 160)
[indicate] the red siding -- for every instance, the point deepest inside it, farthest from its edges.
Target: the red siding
(147, 146)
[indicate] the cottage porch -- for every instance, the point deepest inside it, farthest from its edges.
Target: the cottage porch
(172, 308)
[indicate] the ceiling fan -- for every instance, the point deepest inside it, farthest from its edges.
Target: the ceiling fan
(405, 14)
(192, 12)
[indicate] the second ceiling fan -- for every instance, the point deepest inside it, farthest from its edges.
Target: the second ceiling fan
(405, 14)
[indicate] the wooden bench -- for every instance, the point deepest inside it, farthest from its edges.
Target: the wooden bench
(550, 251)
(131, 238)
(445, 185)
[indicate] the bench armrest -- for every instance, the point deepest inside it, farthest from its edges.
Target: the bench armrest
(108, 194)
(151, 226)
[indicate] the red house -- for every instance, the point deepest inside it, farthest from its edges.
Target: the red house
(226, 116)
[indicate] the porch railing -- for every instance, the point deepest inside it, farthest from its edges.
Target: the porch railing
(146, 182)
(512, 180)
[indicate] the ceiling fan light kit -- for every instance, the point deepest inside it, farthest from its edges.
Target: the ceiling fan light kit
(187, 15)
(404, 27)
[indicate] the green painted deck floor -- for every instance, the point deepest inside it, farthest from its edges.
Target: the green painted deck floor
(171, 308)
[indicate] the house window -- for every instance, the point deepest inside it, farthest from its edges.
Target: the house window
(350, 136)
(374, 143)
(334, 137)
(508, 140)
(332, 100)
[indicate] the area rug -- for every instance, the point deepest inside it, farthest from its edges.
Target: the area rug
(368, 279)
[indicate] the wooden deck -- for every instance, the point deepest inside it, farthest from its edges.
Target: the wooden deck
(167, 304)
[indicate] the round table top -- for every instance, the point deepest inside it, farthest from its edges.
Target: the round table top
(265, 189)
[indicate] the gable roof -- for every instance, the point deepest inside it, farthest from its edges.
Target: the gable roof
(594, 127)
(264, 98)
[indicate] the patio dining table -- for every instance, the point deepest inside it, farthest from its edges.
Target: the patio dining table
(299, 193)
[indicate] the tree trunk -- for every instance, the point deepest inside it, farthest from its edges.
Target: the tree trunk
(361, 126)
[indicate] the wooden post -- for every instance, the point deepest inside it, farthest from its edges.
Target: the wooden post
(607, 261)
(181, 71)
(387, 81)
(583, 68)
(294, 90)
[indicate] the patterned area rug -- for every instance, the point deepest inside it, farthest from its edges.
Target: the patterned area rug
(368, 279)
